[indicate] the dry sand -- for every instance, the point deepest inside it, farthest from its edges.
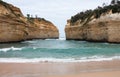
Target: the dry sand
(47, 69)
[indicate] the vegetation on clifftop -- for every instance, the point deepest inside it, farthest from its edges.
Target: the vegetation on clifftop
(114, 7)
(31, 19)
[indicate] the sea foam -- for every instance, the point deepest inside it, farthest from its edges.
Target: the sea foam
(38, 60)
(11, 48)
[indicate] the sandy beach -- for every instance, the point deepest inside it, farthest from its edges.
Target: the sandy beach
(49, 69)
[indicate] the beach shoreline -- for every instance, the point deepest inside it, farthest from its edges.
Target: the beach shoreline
(61, 69)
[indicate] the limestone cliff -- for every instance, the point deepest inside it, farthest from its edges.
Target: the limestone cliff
(41, 29)
(15, 27)
(105, 28)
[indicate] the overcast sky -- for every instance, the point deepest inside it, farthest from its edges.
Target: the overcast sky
(56, 11)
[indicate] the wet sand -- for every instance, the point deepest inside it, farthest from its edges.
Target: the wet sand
(49, 69)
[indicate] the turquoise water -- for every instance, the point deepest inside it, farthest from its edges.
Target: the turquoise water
(58, 51)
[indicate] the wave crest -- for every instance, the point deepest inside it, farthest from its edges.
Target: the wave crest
(38, 60)
(11, 48)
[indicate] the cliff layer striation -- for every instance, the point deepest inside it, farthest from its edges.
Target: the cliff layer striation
(99, 25)
(14, 26)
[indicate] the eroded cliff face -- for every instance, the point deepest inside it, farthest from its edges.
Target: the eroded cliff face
(41, 29)
(104, 29)
(15, 27)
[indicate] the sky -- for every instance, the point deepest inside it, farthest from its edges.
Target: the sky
(56, 11)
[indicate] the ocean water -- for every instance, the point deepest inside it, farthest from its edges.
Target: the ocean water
(59, 50)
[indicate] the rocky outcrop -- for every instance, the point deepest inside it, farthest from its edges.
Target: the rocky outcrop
(100, 25)
(103, 29)
(15, 27)
(41, 29)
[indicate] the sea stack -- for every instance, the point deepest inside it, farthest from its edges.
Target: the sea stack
(99, 25)
(14, 26)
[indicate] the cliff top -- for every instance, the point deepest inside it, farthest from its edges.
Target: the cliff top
(9, 9)
(88, 15)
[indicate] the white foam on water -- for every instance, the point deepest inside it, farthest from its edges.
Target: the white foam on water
(11, 48)
(38, 60)
(62, 38)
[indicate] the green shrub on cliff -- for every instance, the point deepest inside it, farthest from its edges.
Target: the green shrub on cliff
(114, 7)
(31, 19)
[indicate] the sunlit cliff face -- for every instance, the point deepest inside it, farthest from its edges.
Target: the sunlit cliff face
(15, 27)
